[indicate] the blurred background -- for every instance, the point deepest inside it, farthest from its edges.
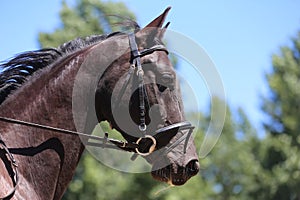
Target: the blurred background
(255, 46)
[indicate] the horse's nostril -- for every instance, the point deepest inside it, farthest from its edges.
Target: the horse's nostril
(193, 167)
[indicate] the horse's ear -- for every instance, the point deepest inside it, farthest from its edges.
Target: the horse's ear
(159, 21)
(153, 29)
(163, 30)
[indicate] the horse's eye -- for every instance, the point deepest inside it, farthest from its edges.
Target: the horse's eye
(167, 80)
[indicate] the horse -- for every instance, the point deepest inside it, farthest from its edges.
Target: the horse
(51, 100)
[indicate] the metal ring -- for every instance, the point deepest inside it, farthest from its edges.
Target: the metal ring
(151, 149)
(143, 127)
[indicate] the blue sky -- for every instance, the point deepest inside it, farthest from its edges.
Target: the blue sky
(239, 36)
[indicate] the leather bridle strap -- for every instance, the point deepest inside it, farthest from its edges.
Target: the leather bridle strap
(136, 65)
(105, 141)
(14, 173)
(136, 61)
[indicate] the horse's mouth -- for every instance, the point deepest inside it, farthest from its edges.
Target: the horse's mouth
(168, 177)
(176, 175)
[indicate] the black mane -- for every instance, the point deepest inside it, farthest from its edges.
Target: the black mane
(17, 70)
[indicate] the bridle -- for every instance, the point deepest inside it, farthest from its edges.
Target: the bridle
(143, 146)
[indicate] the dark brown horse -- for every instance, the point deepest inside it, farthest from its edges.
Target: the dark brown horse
(127, 80)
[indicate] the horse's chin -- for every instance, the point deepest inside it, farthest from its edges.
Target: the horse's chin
(167, 174)
(164, 175)
(175, 174)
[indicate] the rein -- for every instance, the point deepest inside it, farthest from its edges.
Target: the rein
(14, 175)
(114, 144)
(143, 146)
(105, 142)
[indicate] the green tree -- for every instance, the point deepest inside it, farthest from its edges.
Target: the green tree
(88, 17)
(282, 105)
(280, 152)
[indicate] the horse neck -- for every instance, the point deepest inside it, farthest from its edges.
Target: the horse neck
(47, 94)
(46, 160)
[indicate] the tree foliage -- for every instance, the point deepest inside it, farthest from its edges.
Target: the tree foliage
(282, 105)
(281, 148)
(88, 17)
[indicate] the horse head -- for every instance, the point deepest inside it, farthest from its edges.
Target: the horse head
(145, 105)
